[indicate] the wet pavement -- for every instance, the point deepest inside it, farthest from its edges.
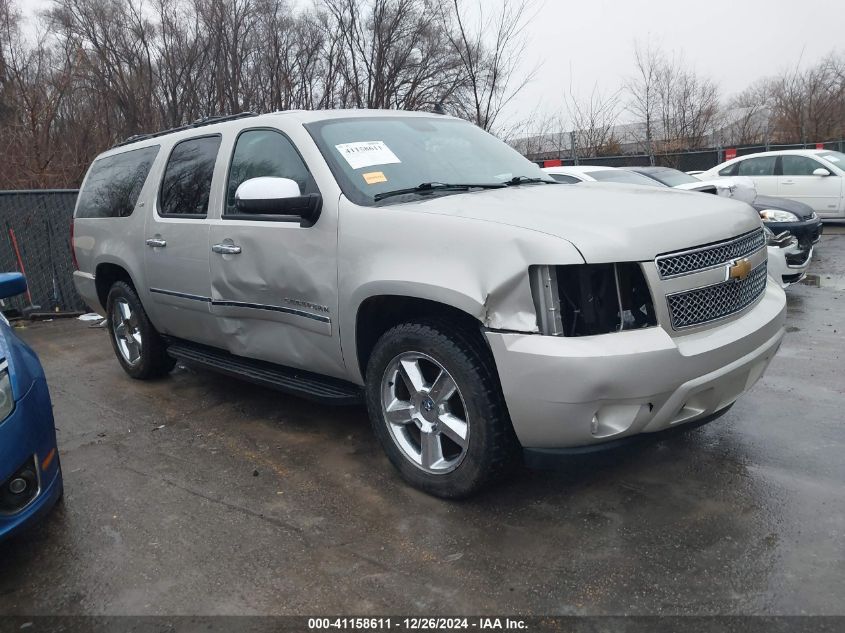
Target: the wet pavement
(198, 494)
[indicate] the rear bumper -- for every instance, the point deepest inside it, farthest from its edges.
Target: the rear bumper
(87, 289)
(29, 432)
(575, 392)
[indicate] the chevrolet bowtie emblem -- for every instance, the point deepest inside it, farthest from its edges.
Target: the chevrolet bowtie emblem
(739, 269)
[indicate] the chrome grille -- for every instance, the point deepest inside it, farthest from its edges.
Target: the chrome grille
(683, 263)
(710, 303)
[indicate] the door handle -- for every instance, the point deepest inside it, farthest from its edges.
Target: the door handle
(226, 249)
(156, 242)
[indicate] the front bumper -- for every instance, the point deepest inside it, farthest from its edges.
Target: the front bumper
(789, 265)
(807, 232)
(573, 392)
(30, 432)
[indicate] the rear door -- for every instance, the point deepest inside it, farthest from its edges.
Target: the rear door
(797, 182)
(761, 169)
(176, 242)
(275, 299)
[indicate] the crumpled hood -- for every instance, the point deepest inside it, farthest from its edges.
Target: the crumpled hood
(737, 187)
(605, 222)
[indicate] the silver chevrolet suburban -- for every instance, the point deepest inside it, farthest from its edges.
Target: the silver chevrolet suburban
(413, 261)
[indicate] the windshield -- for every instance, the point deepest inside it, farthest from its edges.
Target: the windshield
(624, 176)
(673, 177)
(837, 158)
(377, 155)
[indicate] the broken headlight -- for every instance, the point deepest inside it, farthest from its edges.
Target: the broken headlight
(588, 299)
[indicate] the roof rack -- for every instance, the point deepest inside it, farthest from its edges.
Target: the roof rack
(209, 120)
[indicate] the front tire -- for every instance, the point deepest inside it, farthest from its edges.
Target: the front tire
(436, 407)
(138, 346)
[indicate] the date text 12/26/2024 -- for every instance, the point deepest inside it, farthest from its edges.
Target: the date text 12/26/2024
(417, 624)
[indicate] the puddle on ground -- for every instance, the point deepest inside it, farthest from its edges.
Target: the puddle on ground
(834, 282)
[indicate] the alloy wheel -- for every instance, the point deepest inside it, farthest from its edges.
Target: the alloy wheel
(126, 331)
(425, 412)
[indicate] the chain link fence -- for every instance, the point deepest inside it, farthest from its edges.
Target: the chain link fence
(35, 240)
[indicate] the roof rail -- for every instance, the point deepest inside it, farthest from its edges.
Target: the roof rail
(209, 120)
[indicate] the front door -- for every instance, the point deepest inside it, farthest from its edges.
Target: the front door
(761, 170)
(797, 182)
(176, 250)
(273, 281)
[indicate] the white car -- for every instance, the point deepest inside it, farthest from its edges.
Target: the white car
(737, 188)
(597, 173)
(814, 177)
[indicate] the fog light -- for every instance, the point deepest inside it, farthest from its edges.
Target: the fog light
(613, 419)
(17, 486)
(19, 490)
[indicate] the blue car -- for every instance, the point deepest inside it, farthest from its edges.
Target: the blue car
(30, 473)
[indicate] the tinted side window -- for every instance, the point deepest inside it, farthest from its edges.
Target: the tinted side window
(266, 153)
(762, 166)
(186, 185)
(798, 165)
(730, 170)
(114, 183)
(569, 180)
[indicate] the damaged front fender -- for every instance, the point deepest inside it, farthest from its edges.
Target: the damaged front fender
(478, 267)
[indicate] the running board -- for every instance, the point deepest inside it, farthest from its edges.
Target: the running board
(293, 381)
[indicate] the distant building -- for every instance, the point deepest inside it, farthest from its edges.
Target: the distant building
(737, 126)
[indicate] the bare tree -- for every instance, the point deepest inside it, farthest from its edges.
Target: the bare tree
(107, 69)
(594, 120)
(394, 55)
(750, 113)
(643, 92)
(689, 105)
(534, 136)
(671, 102)
(490, 65)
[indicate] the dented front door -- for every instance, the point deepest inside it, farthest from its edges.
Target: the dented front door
(274, 283)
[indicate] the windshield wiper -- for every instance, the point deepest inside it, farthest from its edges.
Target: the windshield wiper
(525, 180)
(439, 186)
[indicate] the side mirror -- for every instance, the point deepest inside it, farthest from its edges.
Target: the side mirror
(11, 285)
(821, 171)
(277, 198)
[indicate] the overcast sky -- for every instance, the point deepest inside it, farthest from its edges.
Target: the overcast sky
(734, 42)
(589, 42)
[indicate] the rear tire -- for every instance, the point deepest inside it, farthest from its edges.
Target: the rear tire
(139, 348)
(437, 408)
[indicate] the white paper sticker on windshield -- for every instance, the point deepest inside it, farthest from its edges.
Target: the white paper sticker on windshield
(367, 154)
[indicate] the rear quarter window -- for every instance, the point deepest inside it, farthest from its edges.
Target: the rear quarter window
(114, 183)
(186, 185)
